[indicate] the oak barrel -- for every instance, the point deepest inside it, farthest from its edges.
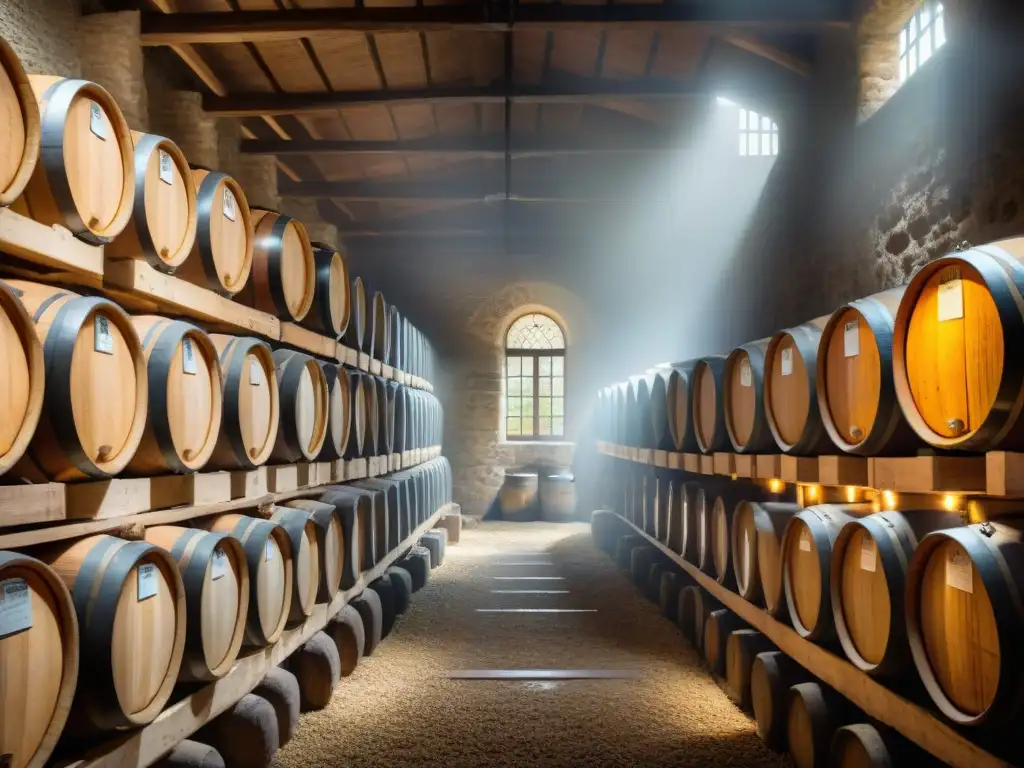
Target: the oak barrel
(558, 497)
(268, 553)
(718, 626)
(868, 582)
(162, 229)
(743, 407)
(85, 177)
(371, 438)
(38, 659)
(873, 745)
(395, 327)
(385, 424)
(356, 336)
(679, 402)
(372, 521)
(661, 433)
(185, 397)
(703, 606)
(708, 393)
(130, 603)
(674, 515)
(94, 408)
(772, 674)
(806, 565)
(302, 534)
(856, 394)
(518, 496)
(330, 542)
(283, 280)
(251, 407)
(380, 332)
(302, 428)
(757, 531)
(22, 387)
(639, 431)
(19, 114)
(955, 344)
(348, 510)
(964, 620)
(222, 254)
(357, 407)
(815, 712)
(790, 391)
(339, 411)
(216, 580)
(689, 536)
(741, 649)
(329, 314)
(723, 513)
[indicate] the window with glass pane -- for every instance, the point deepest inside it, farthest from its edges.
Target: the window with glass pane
(922, 36)
(534, 379)
(759, 135)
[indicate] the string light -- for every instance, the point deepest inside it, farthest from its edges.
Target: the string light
(950, 502)
(812, 492)
(851, 494)
(889, 500)
(775, 485)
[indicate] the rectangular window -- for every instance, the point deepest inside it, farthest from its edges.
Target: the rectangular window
(759, 135)
(535, 395)
(921, 37)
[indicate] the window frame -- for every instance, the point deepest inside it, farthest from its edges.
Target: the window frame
(911, 35)
(535, 355)
(763, 135)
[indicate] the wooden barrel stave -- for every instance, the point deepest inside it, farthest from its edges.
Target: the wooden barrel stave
(302, 428)
(790, 390)
(743, 408)
(19, 113)
(305, 545)
(756, 535)
(329, 314)
(22, 388)
(708, 393)
(283, 279)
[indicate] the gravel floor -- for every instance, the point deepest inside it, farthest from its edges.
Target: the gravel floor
(398, 709)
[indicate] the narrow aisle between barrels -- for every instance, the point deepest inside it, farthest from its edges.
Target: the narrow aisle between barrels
(666, 711)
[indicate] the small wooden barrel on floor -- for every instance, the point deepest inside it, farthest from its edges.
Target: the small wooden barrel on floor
(19, 114)
(743, 407)
(130, 603)
(185, 397)
(772, 674)
(741, 649)
(94, 409)
(790, 391)
(356, 335)
(558, 497)
(250, 405)
(85, 177)
(22, 388)
(330, 543)
(708, 393)
(302, 533)
(221, 257)
(954, 349)
(339, 411)
(162, 229)
(856, 394)
(380, 333)
(302, 428)
(329, 314)
(268, 553)
(38, 659)
(963, 618)
(807, 565)
(679, 401)
(718, 626)
(815, 712)
(283, 280)
(757, 531)
(216, 579)
(357, 405)
(872, 745)
(518, 496)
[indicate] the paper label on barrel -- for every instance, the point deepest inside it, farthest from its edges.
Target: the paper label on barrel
(188, 357)
(166, 168)
(868, 556)
(951, 300)
(746, 377)
(255, 373)
(97, 121)
(148, 582)
(230, 206)
(851, 339)
(960, 572)
(787, 361)
(270, 550)
(15, 606)
(220, 564)
(103, 340)
(805, 540)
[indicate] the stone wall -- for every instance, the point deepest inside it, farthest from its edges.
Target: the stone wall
(44, 34)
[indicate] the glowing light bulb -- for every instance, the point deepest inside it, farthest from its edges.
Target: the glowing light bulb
(851, 494)
(950, 502)
(889, 499)
(775, 485)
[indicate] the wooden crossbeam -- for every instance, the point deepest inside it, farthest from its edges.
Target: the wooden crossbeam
(262, 26)
(488, 147)
(485, 190)
(769, 52)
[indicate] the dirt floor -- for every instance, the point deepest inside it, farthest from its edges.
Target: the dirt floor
(398, 708)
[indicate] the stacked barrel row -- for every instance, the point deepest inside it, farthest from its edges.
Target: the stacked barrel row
(73, 161)
(913, 598)
(104, 628)
(930, 362)
(92, 392)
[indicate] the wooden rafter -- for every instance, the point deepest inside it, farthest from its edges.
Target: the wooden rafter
(769, 52)
(484, 190)
(488, 147)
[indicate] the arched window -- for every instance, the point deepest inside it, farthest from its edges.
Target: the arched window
(534, 379)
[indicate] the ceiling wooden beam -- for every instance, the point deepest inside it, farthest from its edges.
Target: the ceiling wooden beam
(484, 191)
(487, 147)
(770, 52)
(263, 26)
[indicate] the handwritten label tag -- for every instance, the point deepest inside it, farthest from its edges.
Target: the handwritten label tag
(805, 540)
(15, 606)
(960, 572)
(166, 168)
(230, 206)
(951, 300)
(188, 357)
(220, 564)
(851, 339)
(255, 373)
(787, 361)
(270, 550)
(746, 376)
(103, 341)
(868, 556)
(148, 582)
(97, 121)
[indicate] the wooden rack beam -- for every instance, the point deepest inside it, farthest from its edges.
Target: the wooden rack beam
(489, 147)
(464, 191)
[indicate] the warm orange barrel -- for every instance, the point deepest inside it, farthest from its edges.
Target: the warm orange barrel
(815, 712)
(95, 404)
(221, 257)
(163, 226)
(302, 428)
(790, 392)
(856, 394)
(19, 114)
(756, 540)
(302, 533)
(708, 393)
(743, 408)
(380, 330)
(38, 659)
(251, 405)
(356, 336)
(23, 385)
(85, 177)
(679, 404)
(956, 345)
(339, 411)
(283, 280)
(130, 603)
(216, 580)
(965, 619)
(329, 314)
(185, 397)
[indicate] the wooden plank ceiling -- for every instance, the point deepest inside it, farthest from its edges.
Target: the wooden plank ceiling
(416, 122)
